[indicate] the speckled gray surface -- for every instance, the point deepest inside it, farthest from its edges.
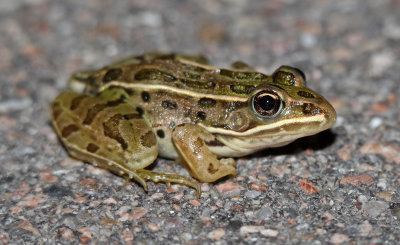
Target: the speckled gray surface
(341, 186)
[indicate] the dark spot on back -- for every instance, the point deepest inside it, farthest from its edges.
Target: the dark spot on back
(76, 101)
(92, 112)
(68, 130)
(201, 115)
(116, 102)
(111, 130)
(207, 102)
(305, 94)
(92, 148)
(140, 110)
(169, 104)
(129, 91)
(132, 116)
(148, 139)
(96, 109)
(160, 133)
(112, 75)
(154, 74)
(145, 96)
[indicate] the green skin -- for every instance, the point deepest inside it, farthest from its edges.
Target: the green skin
(123, 116)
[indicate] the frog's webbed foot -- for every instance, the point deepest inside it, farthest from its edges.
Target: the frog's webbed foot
(156, 177)
(189, 140)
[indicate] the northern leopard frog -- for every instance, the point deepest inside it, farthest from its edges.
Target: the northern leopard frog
(122, 116)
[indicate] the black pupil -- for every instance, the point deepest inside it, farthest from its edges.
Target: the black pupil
(267, 102)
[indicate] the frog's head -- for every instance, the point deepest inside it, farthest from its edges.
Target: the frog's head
(277, 112)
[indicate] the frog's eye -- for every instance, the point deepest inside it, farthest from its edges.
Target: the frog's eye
(266, 104)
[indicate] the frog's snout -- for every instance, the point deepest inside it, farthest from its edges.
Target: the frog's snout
(329, 114)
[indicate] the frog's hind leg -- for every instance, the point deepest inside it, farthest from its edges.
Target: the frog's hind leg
(105, 130)
(108, 132)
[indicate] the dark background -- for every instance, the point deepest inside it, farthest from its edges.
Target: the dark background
(338, 186)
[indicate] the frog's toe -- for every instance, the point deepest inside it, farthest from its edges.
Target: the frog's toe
(169, 178)
(139, 179)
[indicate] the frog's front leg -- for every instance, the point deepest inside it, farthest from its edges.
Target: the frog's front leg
(202, 163)
(107, 131)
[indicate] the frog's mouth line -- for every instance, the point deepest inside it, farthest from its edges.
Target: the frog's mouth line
(301, 126)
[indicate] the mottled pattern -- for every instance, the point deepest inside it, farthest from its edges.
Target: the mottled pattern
(96, 109)
(92, 148)
(148, 139)
(112, 74)
(154, 74)
(349, 51)
(68, 130)
(175, 71)
(92, 112)
(77, 101)
(111, 130)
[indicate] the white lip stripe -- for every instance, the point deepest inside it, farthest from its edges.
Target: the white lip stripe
(174, 90)
(305, 120)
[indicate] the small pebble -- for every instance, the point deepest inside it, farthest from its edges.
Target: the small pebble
(216, 234)
(339, 238)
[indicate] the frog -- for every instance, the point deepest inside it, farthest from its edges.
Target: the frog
(123, 116)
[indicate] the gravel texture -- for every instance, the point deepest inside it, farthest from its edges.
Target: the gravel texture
(340, 186)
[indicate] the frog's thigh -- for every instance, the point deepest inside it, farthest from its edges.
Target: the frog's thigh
(106, 131)
(202, 163)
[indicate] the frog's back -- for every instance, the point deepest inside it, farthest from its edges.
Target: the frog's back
(169, 71)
